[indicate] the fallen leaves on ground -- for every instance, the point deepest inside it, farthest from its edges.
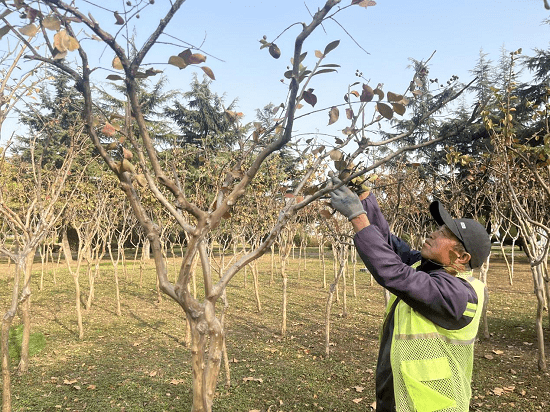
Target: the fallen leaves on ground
(250, 378)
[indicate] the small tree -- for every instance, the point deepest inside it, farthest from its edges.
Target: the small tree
(522, 167)
(32, 199)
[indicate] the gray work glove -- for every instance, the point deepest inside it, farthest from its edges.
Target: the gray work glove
(345, 201)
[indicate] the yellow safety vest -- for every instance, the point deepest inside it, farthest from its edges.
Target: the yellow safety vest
(432, 366)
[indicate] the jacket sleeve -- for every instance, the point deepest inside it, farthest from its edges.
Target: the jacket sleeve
(439, 296)
(376, 218)
(408, 256)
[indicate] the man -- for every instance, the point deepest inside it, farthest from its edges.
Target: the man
(425, 360)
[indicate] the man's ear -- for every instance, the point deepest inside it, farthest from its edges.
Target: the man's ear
(464, 258)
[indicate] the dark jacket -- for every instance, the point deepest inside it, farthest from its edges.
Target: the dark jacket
(430, 290)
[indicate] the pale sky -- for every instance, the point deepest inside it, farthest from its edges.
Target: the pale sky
(391, 32)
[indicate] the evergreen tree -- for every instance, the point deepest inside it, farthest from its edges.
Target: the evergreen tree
(51, 122)
(485, 75)
(204, 122)
(153, 100)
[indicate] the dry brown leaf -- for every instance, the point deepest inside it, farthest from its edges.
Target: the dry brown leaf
(197, 58)
(367, 94)
(142, 181)
(127, 153)
(58, 41)
(177, 61)
(51, 23)
(208, 72)
(119, 19)
(498, 391)
(91, 387)
(69, 382)
(384, 110)
(357, 400)
(117, 64)
(399, 108)
(359, 388)
(60, 55)
(336, 155)
(70, 43)
(29, 30)
(333, 115)
(4, 30)
(250, 378)
(392, 97)
(108, 129)
(364, 3)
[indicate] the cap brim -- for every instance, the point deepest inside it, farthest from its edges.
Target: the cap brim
(442, 217)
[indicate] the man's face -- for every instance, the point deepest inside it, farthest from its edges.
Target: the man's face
(439, 246)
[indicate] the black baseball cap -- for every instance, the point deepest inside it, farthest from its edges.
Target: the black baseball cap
(471, 233)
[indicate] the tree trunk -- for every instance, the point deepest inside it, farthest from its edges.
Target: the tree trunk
(225, 356)
(66, 246)
(305, 256)
(43, 261)
(76, 278)
(354, 261)
(6, 323)
(538, 280)
(271, 279)
(335, 270)
(206, 333)
(117, 294)
(146, 249)
(6, 377)
(256, 286)
(26, 312)
(483, 277)
(194, 277)
(57, 264)
(510, 273)
(299, 260)
(115, 270)
(343, 267)
(322, 253)
(159, 294)
(91, 286)
(332, 290)
(141, 268)
(285, 283)
(78, 306)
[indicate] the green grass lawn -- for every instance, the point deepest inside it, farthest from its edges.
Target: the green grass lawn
(139, 361)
